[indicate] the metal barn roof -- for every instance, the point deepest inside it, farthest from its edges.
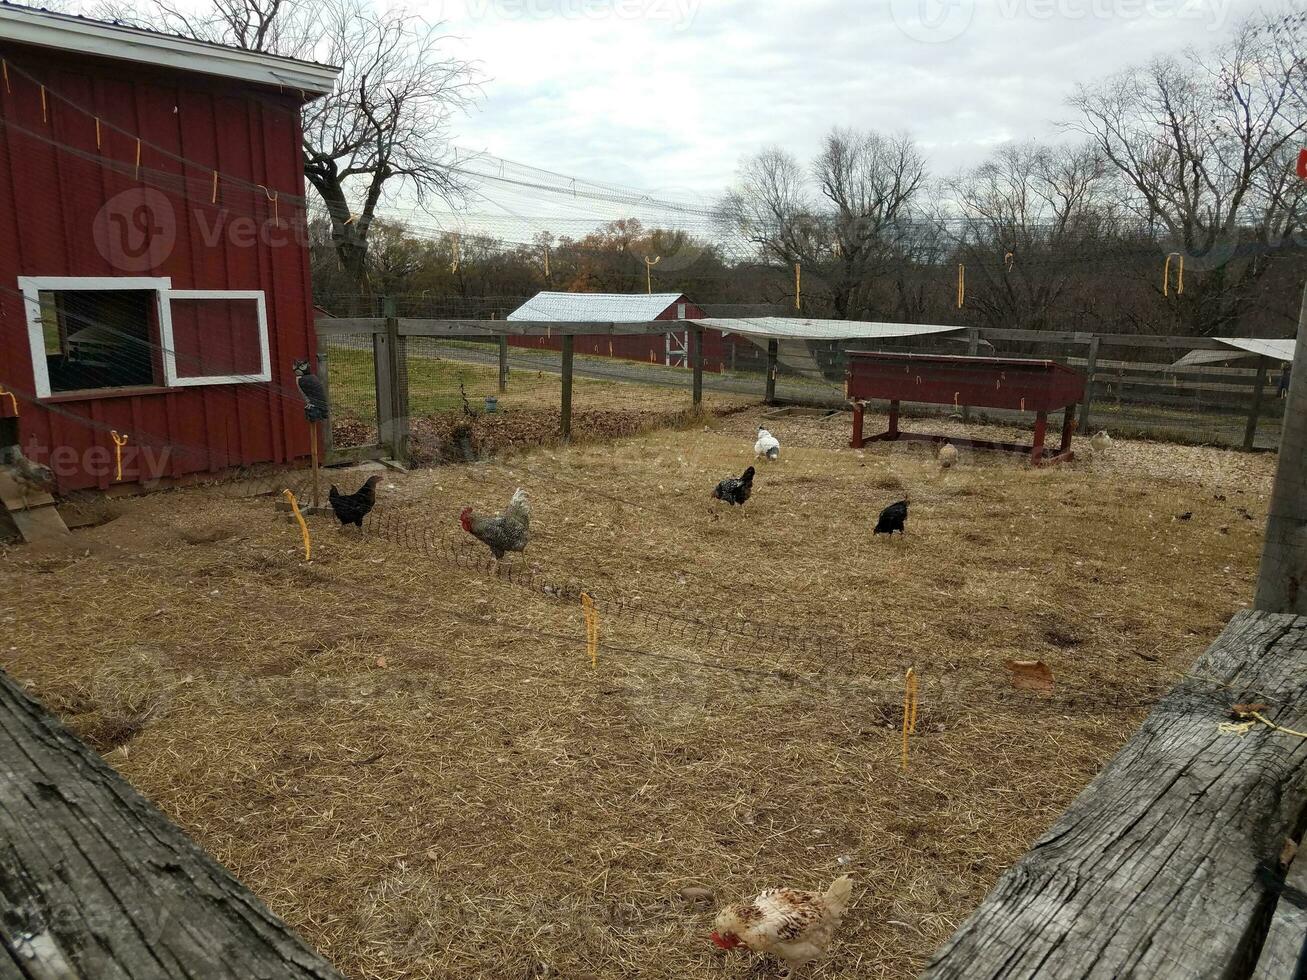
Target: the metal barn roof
(596, 307)
(124, 42)
(803, 328)
(1240, 348)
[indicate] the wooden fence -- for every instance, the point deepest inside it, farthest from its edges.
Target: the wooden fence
(1180, 398)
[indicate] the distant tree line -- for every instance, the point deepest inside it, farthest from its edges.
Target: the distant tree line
(1191, 156)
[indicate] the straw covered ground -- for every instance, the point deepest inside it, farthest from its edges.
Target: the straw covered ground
(415, 762)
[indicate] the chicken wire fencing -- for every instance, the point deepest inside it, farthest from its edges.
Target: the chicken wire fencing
(350, 371)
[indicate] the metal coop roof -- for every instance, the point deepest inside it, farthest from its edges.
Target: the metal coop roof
(124, 42)
(596, 307)
(1239, 348)
(804, 328)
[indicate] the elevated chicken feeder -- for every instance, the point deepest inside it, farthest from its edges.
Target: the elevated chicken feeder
(1015, 384)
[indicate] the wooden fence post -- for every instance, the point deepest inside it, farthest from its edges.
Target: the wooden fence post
(973, 350)
(503, 363)
(770, 396)
(1091, 365)
(1255, 411)
(324, 375)
(568, 341)
(1282, 578)
(397, 368)
(696, 362)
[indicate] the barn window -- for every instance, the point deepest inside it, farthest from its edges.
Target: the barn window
(103, 333)
(216, 337)
(93, 334)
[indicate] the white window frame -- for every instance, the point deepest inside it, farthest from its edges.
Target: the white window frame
(170, 352)
(32, 286)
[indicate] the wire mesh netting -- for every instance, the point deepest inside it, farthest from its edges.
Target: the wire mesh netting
(351, 371)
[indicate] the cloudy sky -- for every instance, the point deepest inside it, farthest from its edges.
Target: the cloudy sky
(669, 95)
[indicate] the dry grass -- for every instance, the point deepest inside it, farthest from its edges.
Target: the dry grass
(418, 768)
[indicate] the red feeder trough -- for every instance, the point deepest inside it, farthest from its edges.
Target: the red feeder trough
(980, 382)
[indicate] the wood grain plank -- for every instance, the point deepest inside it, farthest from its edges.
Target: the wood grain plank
(96, 882)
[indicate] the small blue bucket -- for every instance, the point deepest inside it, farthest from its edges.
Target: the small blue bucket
(492, 404)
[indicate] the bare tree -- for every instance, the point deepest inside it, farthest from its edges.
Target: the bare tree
(385, 128)
(844, 220)
(1205, 141)
(1029, 216)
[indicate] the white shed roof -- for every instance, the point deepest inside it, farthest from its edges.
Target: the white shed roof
(802, 328)
(596, 307)
(1240, 347)
(110, 39)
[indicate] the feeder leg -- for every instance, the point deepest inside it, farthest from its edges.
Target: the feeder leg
(857, 441)
(1068, 427)
(1041, 429)
(893, 421)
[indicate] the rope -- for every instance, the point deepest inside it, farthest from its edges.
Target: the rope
(1244, 727)
(13, 399)
(304, 528)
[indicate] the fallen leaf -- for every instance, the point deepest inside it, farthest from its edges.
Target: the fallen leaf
(1246, 710)
(381, 661)
(1288, 851)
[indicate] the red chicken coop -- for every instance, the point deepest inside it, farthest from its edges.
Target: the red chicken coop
(981, 382)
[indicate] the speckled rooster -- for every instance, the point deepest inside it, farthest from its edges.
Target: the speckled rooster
(509, 531)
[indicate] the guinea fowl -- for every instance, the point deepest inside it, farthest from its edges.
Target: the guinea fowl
(735, 491)
(892, 518)
(352, 508)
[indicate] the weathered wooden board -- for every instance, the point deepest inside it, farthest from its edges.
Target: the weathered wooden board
(18, 496)
(96, 882)
(1152, 872)
(40, 525)
(1286, 941)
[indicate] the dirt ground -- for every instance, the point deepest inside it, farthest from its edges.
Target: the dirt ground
(416, 763)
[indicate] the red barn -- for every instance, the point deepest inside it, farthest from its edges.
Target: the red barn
(154, 275)
(671, 348)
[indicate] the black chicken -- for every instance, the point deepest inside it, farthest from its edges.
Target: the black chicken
(352, 508)
(892, 518)
(735, 491)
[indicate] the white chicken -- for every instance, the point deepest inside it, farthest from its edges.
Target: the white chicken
(1100, 441)
(795, 926)
(948, 455)
(767, 445)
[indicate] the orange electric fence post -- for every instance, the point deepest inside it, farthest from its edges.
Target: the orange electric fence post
(909, 711)
(304, 528)
(591, 628)
(962, 284)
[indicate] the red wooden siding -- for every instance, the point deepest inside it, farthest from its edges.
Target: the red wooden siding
(50, 195)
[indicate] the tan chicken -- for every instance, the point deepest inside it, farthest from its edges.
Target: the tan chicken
(948, 455)
(1100, 441)
(793, 925)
